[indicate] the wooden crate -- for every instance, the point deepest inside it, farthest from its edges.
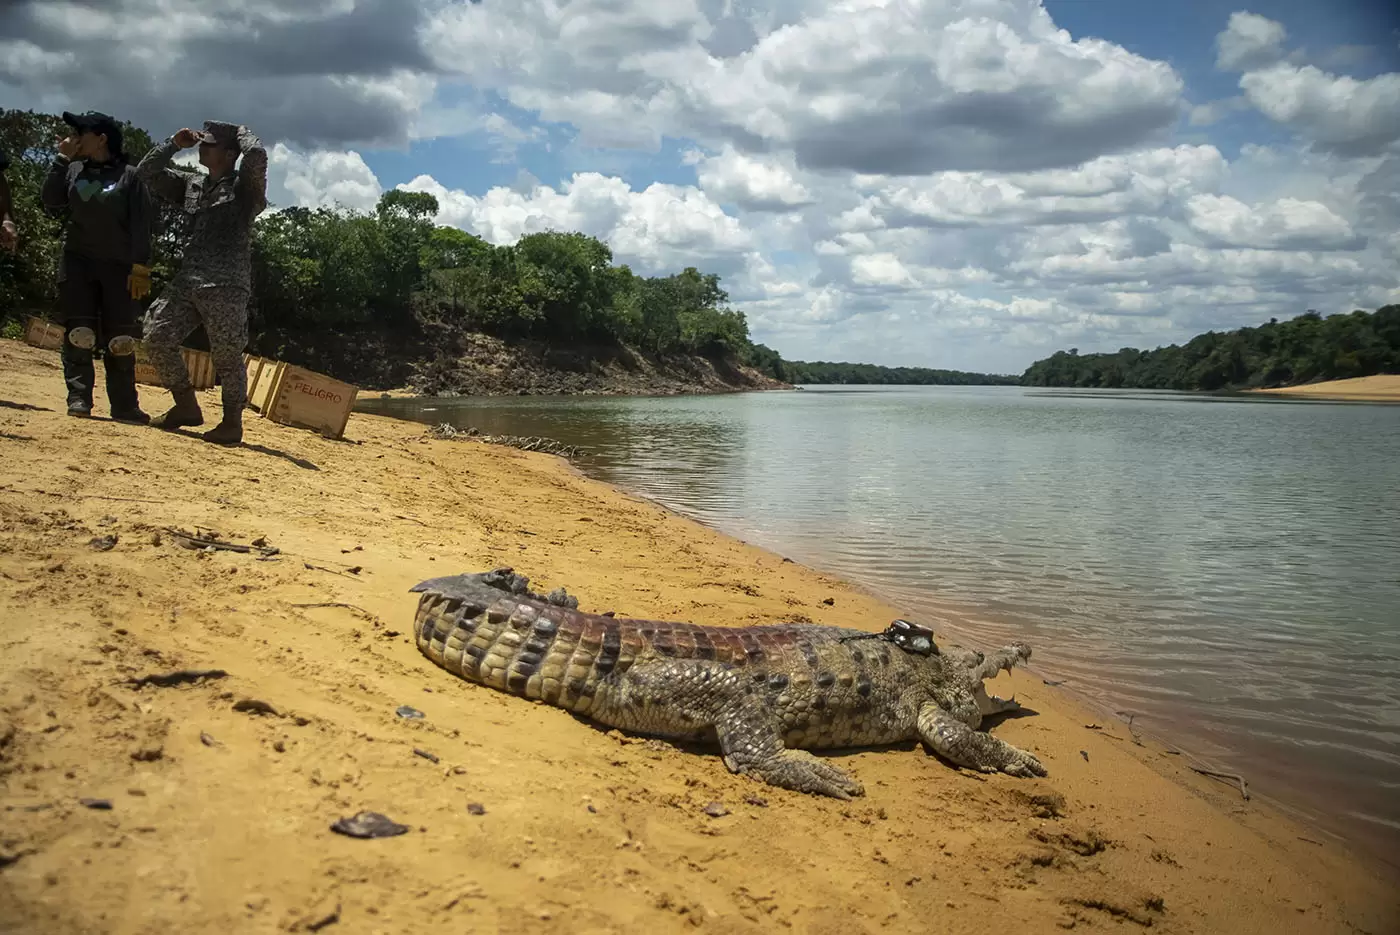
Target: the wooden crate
(200, 366)
(260, 383)
(41, 333)
(310, 400)
(198, 363)
(260, 373)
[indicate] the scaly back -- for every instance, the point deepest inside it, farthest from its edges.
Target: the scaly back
(489, 628)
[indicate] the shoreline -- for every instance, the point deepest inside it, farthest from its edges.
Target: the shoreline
(581, 830)
(1383, 387)
(962, 621)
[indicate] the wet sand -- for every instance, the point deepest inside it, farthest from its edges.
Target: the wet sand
(1383, 387)
(219, 818)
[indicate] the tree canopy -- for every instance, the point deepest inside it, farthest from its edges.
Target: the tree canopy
(821, 371)
(329, 269)
(1280, 353)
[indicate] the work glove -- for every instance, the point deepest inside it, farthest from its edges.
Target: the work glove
(139, 282)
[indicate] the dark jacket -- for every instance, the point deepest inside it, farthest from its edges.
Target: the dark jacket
(108, 209)
(218, 249)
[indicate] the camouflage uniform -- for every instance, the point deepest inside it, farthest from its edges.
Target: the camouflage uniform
(215, 278)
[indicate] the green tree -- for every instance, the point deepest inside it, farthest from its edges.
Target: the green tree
(28, 282)
(1277, 353)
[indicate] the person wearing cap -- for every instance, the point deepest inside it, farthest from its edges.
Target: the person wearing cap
(215, 278)
(9, 234)
(105, 260)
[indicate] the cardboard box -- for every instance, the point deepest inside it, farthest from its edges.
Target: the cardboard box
(41, 333)
(309, 400)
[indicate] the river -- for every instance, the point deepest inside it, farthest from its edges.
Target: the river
(1225, 569)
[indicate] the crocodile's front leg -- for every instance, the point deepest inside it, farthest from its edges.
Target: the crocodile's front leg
(692, 697)
(955, 741)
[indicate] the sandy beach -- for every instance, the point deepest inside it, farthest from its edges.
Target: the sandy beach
(207, 814)
(1383, 387)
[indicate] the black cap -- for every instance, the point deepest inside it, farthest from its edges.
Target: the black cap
(94, 122)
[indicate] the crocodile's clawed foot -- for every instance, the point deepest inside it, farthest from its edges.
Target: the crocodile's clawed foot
(507, 579)
(1020, 763)
(562, 598)
(802, 772)
(953, 740)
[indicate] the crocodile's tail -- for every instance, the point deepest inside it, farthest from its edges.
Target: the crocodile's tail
(491, 629)
(490, 636)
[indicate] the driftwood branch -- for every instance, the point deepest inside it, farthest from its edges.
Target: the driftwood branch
(166, 679)
(1214, 774)
(199, 542)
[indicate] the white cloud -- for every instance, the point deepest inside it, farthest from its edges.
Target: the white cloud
(866, 85)
(1352, 116)
(880, 269)
(320, 179)
(1148, 181)
(1249, 41)
(1287, 223)
(1357, 117)
(754, 184)
(659, 229)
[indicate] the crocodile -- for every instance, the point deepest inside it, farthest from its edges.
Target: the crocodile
(765, 694)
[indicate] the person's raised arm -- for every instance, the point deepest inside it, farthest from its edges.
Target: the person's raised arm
(155, 172)
(252, 176)
(53, 194)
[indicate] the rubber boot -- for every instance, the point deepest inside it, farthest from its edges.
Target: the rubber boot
(121, 389)
(186, 411)
(230, 430)
(79, 375)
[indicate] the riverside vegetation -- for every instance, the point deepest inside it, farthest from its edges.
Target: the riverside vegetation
(387, 298)
(1305, 349)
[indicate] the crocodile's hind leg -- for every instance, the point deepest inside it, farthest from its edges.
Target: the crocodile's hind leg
(974, 749)
(752, 745)
(690, 697)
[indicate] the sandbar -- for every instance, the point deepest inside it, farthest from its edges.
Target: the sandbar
(1384, 387)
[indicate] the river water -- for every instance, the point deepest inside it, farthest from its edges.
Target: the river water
(1225, 569)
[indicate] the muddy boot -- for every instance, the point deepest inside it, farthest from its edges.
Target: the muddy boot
(185, 411)
(121, 389)
(229, 431)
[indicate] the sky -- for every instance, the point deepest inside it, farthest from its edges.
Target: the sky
(970, 184)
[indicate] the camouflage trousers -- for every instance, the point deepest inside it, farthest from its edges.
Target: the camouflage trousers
(223, 310)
